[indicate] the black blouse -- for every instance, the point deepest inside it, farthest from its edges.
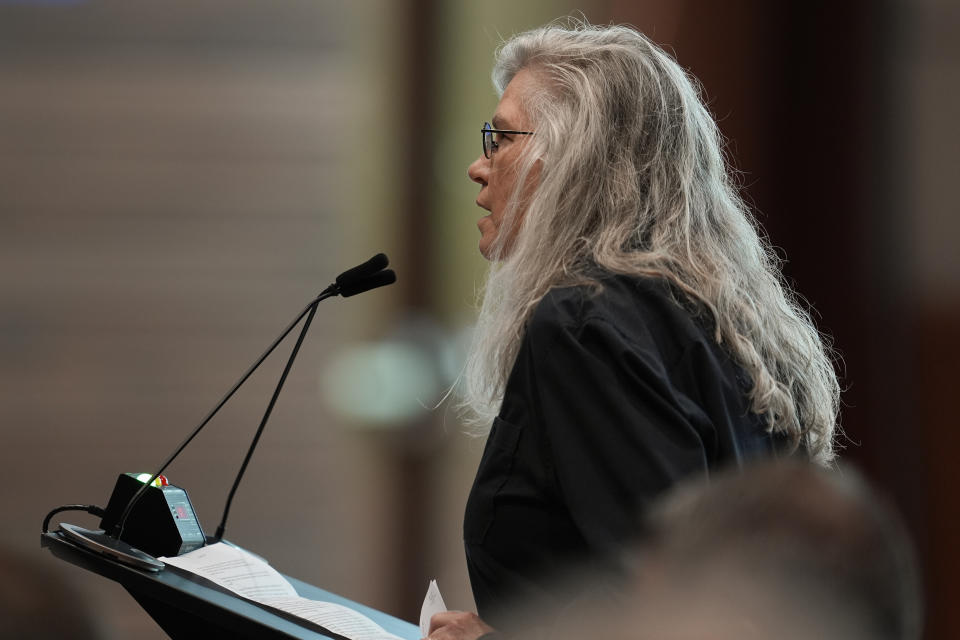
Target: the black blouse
(614, 397)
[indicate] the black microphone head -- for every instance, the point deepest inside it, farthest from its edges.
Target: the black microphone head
(377, 263)
(379, 279)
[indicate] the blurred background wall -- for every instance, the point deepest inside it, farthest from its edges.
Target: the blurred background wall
(178, 179)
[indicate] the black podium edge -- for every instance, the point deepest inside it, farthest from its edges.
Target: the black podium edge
(167, 586)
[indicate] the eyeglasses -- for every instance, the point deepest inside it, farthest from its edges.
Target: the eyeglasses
(490, 145)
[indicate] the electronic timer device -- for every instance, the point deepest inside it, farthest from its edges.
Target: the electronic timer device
(162, 523)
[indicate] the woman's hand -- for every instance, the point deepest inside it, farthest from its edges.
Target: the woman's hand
(457, 625)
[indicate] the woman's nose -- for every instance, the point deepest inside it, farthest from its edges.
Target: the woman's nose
(478, 170)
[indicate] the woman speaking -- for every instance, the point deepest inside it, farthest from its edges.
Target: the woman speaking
(635, 328)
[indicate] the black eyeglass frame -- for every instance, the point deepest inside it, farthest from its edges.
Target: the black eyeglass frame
(489, 144)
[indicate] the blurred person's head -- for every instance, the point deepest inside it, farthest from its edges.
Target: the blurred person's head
(618, 167)
(785, 543)
(780, 551)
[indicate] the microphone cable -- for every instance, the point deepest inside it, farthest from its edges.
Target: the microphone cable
(92, 509)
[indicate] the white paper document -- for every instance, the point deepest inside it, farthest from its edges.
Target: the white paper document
(250, 576)
(432, 603)
(235, 569)
(332, 616)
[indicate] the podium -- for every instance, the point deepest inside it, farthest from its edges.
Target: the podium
(187, 606)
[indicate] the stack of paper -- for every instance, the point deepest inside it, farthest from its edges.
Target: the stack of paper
(249, 576)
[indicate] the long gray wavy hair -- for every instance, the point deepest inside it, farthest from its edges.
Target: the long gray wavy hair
(632, 178)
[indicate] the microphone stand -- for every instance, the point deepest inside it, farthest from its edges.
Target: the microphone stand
(310, 309)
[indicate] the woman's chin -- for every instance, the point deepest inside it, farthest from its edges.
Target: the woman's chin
(486, 245)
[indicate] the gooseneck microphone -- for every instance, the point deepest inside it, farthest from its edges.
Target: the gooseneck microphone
(379, 279)
(364, 277)
(350, 282)
(369, 275)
